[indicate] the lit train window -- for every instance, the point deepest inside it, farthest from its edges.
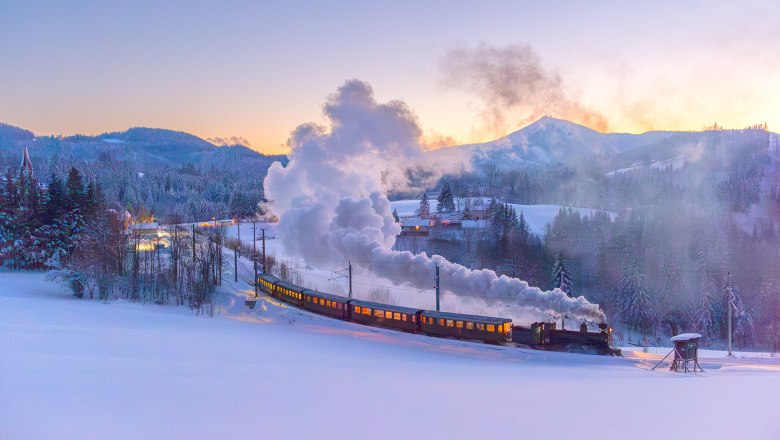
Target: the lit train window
(459, 324)
(450, 323)
(507, 327)
(397, 316)
(403, 317)
(366, 311)
(322, 302)
(414, 318)
(469, 326)
(379, 313)
(389, 315)
(357, 309)
(441, 322)
(480, 326)
(491, 328)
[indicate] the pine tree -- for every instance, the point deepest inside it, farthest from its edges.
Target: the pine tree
(56, 201)
(744, 328)
(669, 278)
(637, 306)
(237, 205)
(706, 316)
(12, 229)
(75, 190)
(561, 275)
(93, 200)
(769, 306)
(491, 208)
(445, 199)
(425, 207)
(522, 225)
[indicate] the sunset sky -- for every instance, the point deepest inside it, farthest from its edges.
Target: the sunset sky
(258, 69)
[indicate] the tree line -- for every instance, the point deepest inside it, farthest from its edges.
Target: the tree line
(67, 226)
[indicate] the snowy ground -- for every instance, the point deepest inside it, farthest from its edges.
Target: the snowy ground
(537, 216)
(84, 369)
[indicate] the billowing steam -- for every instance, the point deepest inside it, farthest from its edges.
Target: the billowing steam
(334, 208)
(513, 86)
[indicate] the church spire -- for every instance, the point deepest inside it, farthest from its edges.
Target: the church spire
(26, 168)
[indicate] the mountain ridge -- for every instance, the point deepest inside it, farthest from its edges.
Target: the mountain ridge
(155, 146)
(550, 141)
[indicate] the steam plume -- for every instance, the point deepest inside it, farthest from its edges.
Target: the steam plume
(334, 208)
(513, 86)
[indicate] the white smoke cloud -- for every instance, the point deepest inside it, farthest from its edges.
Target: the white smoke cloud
(334, 208)
(513, 86)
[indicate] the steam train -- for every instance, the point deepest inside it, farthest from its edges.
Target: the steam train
(491, 330)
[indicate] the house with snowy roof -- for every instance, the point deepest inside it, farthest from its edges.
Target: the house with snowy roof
(414, 226)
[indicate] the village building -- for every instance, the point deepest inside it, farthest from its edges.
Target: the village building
(415, 226)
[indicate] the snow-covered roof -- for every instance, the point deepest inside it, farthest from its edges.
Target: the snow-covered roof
(415, 221)
(449, 216)
(685, 337)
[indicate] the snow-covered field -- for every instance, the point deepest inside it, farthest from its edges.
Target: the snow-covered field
(537, 216)
(84, 369)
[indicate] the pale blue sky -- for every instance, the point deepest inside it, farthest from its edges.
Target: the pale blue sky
(257, 69)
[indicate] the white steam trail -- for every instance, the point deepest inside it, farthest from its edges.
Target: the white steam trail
(334, 208)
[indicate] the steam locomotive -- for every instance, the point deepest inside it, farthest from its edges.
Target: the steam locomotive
(491, 330)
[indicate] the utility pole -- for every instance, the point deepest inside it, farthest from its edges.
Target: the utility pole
(264, 268)
(235, 257)
(193, 242)
(437, 287)
(175, 250)
(340, 274)
(730, 302)
(254, 252)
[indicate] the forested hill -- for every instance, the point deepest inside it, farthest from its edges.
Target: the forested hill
(150, 146)
(157, 168)
(697, 222)
(555, 142)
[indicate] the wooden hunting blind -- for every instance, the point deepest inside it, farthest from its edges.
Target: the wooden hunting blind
(686, 353)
